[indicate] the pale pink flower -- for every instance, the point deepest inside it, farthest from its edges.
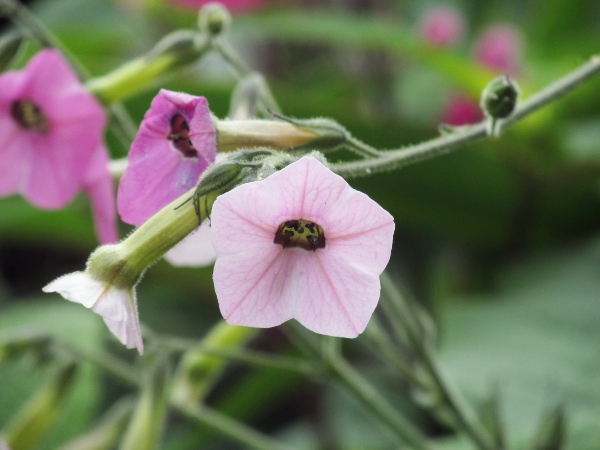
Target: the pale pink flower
(231, 5)
(175, 144)
(442, 26)
(117, 306)
(499, 48)
(300, 244)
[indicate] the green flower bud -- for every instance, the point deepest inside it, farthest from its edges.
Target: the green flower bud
(499, 98)
(214, 19)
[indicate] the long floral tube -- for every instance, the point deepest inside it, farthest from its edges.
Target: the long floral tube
(395, 159)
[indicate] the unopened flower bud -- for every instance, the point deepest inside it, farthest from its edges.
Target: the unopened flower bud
(499, 99)
(214, 19)
(286, 134)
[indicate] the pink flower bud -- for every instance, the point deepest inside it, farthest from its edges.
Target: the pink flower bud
(499, 48)
(442, 27)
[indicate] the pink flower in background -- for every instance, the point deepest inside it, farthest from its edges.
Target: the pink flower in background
(499, 48)
(461, 110)
(300, 244)
(175, 144)
(231, 5)
(442, 27)
(99, 186)
(50, 129)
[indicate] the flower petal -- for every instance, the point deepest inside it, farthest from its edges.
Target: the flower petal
(195, 250)
(117, 306)
(99, 186)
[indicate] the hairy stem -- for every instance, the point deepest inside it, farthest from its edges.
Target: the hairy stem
(394, 159)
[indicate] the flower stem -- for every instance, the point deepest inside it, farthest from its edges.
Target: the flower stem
(203, 415)
(460, 409)
(393, 422)
(388, 160)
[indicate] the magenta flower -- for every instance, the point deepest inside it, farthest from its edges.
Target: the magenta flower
(175, 144)
(461, 110)
(50, 128)
(232, 5)
(442, 27)
(300, 244)
(499, 48)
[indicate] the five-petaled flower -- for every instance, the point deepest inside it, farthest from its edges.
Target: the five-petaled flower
(51, 140)
(300, 244)
(176, 142)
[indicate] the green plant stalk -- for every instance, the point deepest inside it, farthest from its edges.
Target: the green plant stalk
(395, 159)
(463, 414)
(391, 420)
(250, 357)
(204, 416)
(198, 370)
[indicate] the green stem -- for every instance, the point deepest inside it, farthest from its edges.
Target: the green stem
(394, 159)
(392, 422)
(238, 431)
(378, 405)
(462, 412)
(203, 415)
(255, 358)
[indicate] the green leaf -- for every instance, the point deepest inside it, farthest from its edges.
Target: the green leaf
(536, 338)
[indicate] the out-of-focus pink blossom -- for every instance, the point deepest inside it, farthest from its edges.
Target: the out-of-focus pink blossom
(461, 110)
(499, 48)
(442, 26)
(51, 137)
(231, 5)
(99, 186)
(300, 244)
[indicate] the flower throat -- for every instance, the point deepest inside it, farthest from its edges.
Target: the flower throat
(29, 116)
(300, 233)
(180, 132)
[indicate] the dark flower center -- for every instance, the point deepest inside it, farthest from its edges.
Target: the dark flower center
(29, 116)
(179, 135)
(300, 233)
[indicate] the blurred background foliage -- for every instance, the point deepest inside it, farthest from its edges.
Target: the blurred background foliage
(500, 240)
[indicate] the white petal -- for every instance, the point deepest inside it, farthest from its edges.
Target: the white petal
(195, 250)
(116, 306)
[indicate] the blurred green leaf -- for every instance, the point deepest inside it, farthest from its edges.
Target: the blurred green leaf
(536, 339)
